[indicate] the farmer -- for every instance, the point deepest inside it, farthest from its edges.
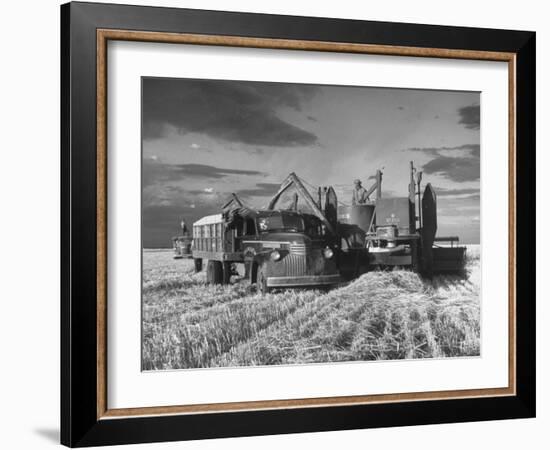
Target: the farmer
(360, 196)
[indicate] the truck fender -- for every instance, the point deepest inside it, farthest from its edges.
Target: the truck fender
(256, 262)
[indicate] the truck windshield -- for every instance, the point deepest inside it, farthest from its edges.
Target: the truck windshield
(281, 222)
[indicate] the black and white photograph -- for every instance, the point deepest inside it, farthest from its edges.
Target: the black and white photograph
(298, 223)
(276, 225)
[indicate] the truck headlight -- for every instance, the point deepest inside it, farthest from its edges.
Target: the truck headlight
(275, 255)
(328, 253)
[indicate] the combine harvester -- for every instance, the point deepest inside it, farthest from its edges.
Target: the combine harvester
(400, 231)
(297, 241)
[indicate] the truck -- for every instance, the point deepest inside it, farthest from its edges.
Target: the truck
(277, 248)
(320, 243)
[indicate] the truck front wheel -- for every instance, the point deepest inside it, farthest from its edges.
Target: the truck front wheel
(198, 264)
(227, 270)
(214, 272)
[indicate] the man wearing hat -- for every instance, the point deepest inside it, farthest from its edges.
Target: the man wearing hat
(359, 193)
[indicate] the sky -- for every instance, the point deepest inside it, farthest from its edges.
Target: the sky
(204, 139)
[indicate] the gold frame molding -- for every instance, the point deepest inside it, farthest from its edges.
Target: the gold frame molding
(103, 36)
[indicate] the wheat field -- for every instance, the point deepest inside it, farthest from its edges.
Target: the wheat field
(379, 316)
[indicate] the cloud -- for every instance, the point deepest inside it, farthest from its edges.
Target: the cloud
(469, 117)
(193, 145)
(204, 171)
(454, 163)
(455, 169)
(261, 190)
(234, 111)
(154, 171)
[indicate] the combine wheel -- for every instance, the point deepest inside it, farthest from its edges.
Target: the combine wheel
(415, 257)
(214, 272)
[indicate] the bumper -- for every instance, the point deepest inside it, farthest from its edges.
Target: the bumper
(304, 281)
(390, 259)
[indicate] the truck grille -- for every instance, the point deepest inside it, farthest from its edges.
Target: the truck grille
(299, 249)
(295, 265)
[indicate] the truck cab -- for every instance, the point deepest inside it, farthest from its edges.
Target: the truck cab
(290, 250)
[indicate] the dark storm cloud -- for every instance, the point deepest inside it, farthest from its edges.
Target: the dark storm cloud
(162, 221)
(234, 111)
(204, 171)
(162, 216)
(155, 171)
(455, 169)
(159, 224)
(462, 167)
(469, 117)
(261, 190)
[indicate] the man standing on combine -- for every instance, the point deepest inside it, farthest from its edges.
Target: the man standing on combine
(360, 196)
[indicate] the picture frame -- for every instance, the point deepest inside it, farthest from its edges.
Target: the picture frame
(86, 418)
